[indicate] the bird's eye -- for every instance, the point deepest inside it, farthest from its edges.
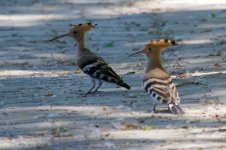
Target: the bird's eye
(75, 32)
(149, 49)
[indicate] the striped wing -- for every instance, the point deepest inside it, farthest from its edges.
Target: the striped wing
(163, 90)
(96, 67)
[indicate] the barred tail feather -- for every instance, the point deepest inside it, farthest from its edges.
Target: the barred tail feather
(175, 108)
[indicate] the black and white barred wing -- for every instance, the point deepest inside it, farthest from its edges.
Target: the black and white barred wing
(98, 68)
(162, 90)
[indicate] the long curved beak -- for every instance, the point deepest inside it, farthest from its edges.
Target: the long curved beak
(60, 36)
(136, 52)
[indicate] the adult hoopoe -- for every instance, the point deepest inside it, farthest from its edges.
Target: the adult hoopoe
(89, 63)
(157, 82)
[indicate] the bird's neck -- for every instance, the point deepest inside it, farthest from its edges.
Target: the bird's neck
(154, 63)
(81, 44)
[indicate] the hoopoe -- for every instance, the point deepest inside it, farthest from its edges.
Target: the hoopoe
(157, 82)
(92, 65)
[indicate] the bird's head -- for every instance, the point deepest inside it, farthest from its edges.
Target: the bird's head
(155, 47)
(77, 31)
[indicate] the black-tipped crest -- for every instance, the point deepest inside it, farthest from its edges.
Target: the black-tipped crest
(83, 27)
(154, 46)
(79, 28)
(161, 43)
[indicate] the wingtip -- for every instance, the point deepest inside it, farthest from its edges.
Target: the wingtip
(125, 86)
(175, 109)
(128, 87)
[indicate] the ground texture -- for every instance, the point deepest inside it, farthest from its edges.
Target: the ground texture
(41, 106)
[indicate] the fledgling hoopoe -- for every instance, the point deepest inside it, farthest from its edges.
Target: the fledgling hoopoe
(157, 82)
(91, 64)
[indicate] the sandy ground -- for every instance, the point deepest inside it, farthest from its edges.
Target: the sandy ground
(41, 106)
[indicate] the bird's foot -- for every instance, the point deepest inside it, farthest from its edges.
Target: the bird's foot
(86, 94)
(151, 111)
(91, 93)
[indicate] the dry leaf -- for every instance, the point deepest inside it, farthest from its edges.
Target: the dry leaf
(222, 130)
(128, 126)
(49, 94)
(217, 65)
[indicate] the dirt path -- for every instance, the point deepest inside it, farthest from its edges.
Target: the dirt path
(41, 103)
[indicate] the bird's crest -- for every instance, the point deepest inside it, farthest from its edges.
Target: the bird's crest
(82, 27)
(161, 43)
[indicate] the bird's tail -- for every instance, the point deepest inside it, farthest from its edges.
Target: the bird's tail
(175, 108)
(124, 85)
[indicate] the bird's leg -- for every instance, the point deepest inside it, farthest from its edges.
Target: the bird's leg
(99, 84)
(154, 108)
(93, 86)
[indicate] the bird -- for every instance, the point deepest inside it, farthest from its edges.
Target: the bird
(92, 65)
(157, 82)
